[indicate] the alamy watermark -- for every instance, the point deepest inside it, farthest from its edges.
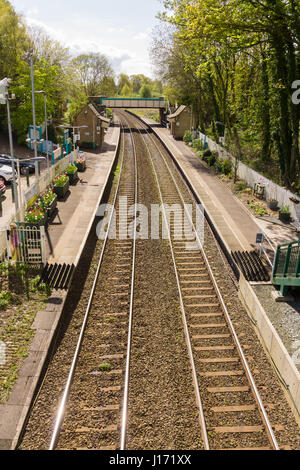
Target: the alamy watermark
(184, 223)
(296, 94)
(2, 353)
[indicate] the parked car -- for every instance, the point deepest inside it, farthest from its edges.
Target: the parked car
(2, 188)
(6, 173)
(5, 160)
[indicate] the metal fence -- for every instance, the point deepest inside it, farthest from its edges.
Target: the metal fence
(25, 244)
(37, 188)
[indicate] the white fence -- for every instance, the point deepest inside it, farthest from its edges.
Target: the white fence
(272, 191)
(34, 190)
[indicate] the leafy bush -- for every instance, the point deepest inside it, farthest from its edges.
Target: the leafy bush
(197, 144)
(206, 155)
(3, 304)
(187, 136)
(227, 166)
(5, 295)
(218, 165)
(213, 158)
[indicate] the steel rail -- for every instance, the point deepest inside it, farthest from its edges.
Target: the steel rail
(187, 335)
(127, 368)
(258, 399)
(61, 410)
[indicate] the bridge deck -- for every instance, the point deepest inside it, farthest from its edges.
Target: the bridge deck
(133, 102)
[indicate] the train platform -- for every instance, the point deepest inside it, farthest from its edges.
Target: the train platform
(68, 231)
(66, 239)
(232, 219)
(277, 323)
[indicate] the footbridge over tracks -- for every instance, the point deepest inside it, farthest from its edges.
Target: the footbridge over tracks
(136, 103)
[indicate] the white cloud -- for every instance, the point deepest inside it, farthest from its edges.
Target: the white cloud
(126, 49)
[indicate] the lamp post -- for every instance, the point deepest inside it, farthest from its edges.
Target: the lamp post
(33, 107)
(46, 123)
(4, 99)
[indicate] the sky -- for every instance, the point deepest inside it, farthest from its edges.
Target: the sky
(117, 28)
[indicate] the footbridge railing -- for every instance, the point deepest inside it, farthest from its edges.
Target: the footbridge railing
(286, 271)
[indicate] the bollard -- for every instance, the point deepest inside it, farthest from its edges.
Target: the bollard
(39, 168)
(27, 176)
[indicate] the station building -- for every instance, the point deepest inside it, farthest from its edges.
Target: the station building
(180, 121)
(93, 135)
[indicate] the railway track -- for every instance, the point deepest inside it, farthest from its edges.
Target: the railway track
(220, 370)
(112, 344)
(147, 373)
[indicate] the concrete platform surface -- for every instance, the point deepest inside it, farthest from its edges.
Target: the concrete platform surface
(69, 229)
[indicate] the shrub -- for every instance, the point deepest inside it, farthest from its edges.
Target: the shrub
(213, 158)
(197, 144)
(205, 155)
(5, 295)
(227, 166)
(3, 304)
(218, 165)
(187, 136)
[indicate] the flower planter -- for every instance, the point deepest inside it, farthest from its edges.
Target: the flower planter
(61, 191)
(81, 166)
(38, 223)
(73, 177)
(51, 208)
(273, 205)
(284, 216)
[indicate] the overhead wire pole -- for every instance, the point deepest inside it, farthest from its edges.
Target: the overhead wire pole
(16, 196)
(33, 114)
(5, 85)
(42, 92)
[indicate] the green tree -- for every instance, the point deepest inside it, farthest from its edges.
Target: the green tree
(91, 72)
(126, 90)
(239, 51)
(145, 91)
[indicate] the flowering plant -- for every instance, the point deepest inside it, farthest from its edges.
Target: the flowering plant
(48, 197)
(61, 180)
(80, 163)
(35, 214)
